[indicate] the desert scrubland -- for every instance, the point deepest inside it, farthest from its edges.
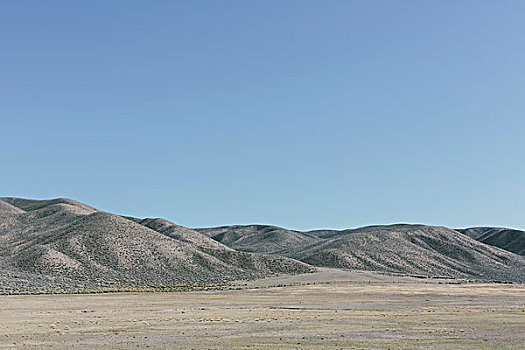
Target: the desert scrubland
(305, 313)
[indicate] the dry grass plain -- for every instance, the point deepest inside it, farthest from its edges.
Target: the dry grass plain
(381, 314)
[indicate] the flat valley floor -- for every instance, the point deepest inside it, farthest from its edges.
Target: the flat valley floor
(315, 311)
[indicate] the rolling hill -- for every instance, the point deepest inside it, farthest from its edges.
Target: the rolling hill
(264, 239)
(505, 238)
(62, 243)
(65, 242)
(404, 249)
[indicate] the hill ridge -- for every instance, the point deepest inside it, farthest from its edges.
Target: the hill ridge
(512, 240)
(397, 248)
(64, 243)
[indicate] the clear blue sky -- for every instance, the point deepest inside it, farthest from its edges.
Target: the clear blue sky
(304, 114)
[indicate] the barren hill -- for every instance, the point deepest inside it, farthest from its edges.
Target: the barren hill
(508, 239)
(406, 249)
(260, 238)
(66, 242)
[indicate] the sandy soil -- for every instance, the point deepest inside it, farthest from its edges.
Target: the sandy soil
(378, 315)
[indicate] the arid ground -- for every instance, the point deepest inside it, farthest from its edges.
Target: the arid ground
(314, 311)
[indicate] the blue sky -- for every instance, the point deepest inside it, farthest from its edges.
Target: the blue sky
(304, 114)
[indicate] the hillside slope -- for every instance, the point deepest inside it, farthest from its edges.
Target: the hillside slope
(264, 239)
(508, 239)
(63, 240)
(405, 249)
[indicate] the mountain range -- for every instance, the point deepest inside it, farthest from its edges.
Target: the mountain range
(64, 243)
(405, 249)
